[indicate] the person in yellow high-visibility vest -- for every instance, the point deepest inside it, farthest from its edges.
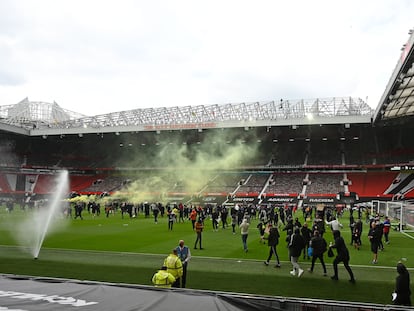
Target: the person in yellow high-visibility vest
(174, 266)
(162, 278)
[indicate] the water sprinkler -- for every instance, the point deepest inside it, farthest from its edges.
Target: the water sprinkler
(35, 258)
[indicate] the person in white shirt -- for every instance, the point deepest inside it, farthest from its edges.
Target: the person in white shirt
(334, 224)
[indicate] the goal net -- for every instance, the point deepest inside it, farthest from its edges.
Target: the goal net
(401, 214)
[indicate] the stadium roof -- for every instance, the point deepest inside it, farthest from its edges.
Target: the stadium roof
(29, 115)
(397, 102)
(274, 113)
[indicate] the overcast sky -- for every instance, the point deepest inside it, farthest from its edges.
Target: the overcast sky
(96, 57)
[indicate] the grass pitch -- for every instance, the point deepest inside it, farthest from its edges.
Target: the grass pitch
(130, 250)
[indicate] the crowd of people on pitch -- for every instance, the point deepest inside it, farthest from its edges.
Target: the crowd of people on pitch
(302, 240)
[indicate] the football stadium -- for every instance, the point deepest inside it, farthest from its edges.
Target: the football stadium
(79, 194)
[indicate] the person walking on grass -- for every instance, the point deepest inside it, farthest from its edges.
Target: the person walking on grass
(374, 237)
(357, 234)
(215, 219)
(193, 217)
(199, 229)
(386, 229)
(155, 212)
(296, 246)
(171, 219)
(272, 242)
(233, 222)
(244, 230)
(319, 247)
(78, 210)
(307, 236)
(342, 256)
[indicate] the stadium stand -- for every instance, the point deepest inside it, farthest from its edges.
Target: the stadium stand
(324, 183)
(254, 184)
(288, 161)
(4, 185)
(79, 183)
(372, 184)
(226, 183)
(286, 183)
(106, 184)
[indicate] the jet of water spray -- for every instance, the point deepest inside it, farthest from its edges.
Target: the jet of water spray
(53, 207)
(38, 223)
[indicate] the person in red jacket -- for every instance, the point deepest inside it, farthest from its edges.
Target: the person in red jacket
(193, 217)
(199, 229)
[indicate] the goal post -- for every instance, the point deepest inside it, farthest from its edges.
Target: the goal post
(401, 214)
(407, 218)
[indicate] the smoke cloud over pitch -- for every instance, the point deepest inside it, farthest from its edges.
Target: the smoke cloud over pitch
(186, 162)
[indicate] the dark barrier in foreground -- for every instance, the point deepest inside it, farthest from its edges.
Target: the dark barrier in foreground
(35, 293)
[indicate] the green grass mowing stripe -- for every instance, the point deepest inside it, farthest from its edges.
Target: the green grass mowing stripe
(127, 256)
(155, 260)
(204, 273)
(223, 275)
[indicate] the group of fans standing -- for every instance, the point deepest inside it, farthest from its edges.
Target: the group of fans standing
(268, 215)
(302, 240)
